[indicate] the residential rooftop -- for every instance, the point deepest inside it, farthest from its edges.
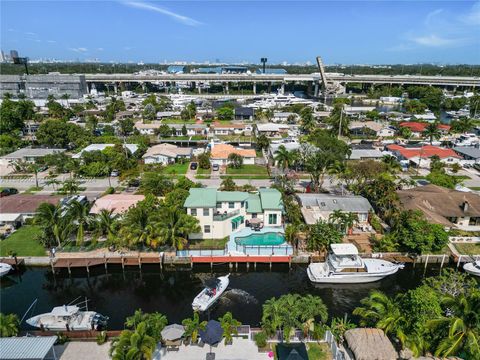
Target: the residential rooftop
(29, 152)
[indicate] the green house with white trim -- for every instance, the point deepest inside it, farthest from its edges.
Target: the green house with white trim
(222, 212)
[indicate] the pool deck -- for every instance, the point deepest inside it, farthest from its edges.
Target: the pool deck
(232, 245)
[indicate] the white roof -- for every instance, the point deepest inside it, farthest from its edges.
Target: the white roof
(271, 127)
(344, 249)
(9, 217)
(100, 147)
(65, 310)
(26, 348)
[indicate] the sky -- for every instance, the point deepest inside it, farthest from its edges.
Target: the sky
(345, 32)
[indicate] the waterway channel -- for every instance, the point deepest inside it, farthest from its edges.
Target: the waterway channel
(118, 293)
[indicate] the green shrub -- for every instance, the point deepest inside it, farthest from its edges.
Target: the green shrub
(260, 339)
(110, 190)
(102, 338)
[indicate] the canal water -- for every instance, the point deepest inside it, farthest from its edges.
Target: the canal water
(118, 293)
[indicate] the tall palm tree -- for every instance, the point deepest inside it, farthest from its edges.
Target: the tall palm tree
(52, 182)
(349, 220)
(53, 220)
(175, 225)
(9, 325)
(229, 326)
(337, 217)
(193, 326)
(283, 157)
(71, 186)
(105, 223)
(133, 345)
(310, 308)
(81, 218)
(463, 324)
(272, 316)
(464, 124)
(432, 132)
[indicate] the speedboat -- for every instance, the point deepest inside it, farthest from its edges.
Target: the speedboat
(69, 318)
(5, 269)
(345, 266)
(212, 292)
(473, 268)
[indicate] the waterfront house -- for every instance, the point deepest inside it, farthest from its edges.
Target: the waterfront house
(316, 207)
(244, 113)
(469, 153)
(230, 129)
(192, 129)
(100, 147)
(222, 212)
(118, 203)
(15, 209)
(166, 154)
(418, 128)
(420, 156)
(147, 128)
(272, 130)
(448, 207)
(285, 116)
(220, 152)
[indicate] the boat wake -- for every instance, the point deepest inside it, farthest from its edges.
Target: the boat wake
(239, 295)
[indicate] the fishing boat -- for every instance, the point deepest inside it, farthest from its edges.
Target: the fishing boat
(345, 266)
(69, 318)
(5, 269)
(214, 288)
(473, 268)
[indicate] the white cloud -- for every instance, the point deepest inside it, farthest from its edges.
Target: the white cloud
(433, 40)
(473, 17)
(431, 15)
(51, 41)
(79, 49)
(177, 17)
(99, 49)
(31, 33)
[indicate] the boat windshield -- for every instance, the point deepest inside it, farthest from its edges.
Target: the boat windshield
(345, 261)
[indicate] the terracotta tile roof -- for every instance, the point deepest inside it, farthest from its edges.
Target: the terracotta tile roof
(425, 152)
(119, 203)
(217, 125)
(420, 127)
(221, 151)
(25, 204)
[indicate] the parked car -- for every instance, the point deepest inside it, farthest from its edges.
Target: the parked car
(114, 173)
(215, 167)
(8, 192)
(193, 166)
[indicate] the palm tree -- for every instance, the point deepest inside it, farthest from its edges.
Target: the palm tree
(66, 97)
(193, 326)
(80, 214)
(133, 345)
(54, 222)
(337, 217)
(391, 163)
(283, 157)
(263, 142)
(463, 324)
(463, 125)
(106, 222)
(310, 308)
(229, 326)
(9, 325)
(432, 132)
(349, 220)
(291, 235)
(175, 225)
(71, 186)
(272, 316)
(52, 182)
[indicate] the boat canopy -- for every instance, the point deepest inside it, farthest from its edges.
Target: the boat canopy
(212, 283)
(344, 249)
(65, 310)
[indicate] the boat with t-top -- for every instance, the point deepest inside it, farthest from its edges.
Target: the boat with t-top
(345, 266)
(214, 288)
(473, 268)
(69, 318)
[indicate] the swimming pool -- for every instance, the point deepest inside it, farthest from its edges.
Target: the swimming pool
(265, 239)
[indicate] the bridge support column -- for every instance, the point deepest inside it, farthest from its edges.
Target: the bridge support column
(227, 91)
(282, 87)
(317, 88)
(198, 88)
(269, 87)
(115, 88)
(254, 88)
(144, 87)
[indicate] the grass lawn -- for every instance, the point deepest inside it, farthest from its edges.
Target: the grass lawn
(178, 168)
(23, 242)
(475, 188)
(239, 138)
(468, 249)
(208, 243)
(318, 351)
(177, 121)
(33, 190)
(203, 173)
(248, 170)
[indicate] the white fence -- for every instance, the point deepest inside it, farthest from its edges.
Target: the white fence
(337, 352)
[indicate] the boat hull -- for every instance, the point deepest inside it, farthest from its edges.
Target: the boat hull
(5, 269)
(203, 302)
(471, 269)
(47, 322)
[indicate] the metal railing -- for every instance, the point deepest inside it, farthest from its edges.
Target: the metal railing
(221, 217)
(265, 250)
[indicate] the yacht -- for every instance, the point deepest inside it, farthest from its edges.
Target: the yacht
(212, 292)
(180, 100)
(69, 318)
(5, 269)
(345, 266)
(463, 112)
(473, 268)
(467, 139)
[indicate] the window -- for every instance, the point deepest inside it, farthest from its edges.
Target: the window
(254, 215)
(206, 229)
(193, 212)
(242, 204)
(272, 219)
(231, 205)
(206, 211)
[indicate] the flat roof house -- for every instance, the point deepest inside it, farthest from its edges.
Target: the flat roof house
(272, 130)
(222, 212)
(29, 154)
(166, 154)
(316, 207)
(119, 203)
(100, 147)
(220, 152)
(451, 208)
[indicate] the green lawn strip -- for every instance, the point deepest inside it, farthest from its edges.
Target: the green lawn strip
(475, 188)
(33, 190)
(246, 177)
(202, 176)
(177, 121)
(248, 170)
(318, 351)
(208, 243)
(87, 246)
(468, 249)
(23, 242)
(202, 171)
(178, 169)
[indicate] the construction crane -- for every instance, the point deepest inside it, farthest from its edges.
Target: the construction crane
(329, 88)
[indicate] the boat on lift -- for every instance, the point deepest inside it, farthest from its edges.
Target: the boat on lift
(5, 269)
(473, 268)
(69, 318)
(214, 288)
(345, 266)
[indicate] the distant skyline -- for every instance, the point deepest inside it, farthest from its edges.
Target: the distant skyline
(346, 32)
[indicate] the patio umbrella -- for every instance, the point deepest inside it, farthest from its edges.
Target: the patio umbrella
(172, 332)
(212, 334)
(255, 221)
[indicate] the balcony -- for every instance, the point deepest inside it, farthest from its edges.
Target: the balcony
(221, 217)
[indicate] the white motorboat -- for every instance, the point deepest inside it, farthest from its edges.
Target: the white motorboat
(473, 268)
(5, 269)
(68, 318)
(345, 266)
(212, 292)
